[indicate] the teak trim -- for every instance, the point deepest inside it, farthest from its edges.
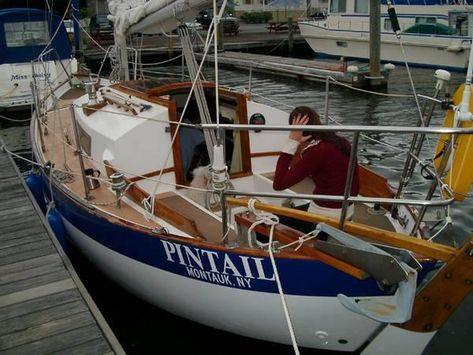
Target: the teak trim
(151, 174)
(161, 210)
(423, 247)
(286, 235)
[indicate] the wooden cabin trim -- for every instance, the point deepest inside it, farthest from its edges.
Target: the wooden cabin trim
(423, 247)
(151, 174)
(175, 88)
(170, 215)
(176, 147)
(141, 95)
(265, 154)
(373, 184)
(242, 114)
(286, 235)
(90, 109)
(237, 98)
(240, 174)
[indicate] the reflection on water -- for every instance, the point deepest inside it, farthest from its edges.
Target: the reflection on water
(142, 328)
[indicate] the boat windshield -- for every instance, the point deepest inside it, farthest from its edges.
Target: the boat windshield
(23, 34)
(431, 29)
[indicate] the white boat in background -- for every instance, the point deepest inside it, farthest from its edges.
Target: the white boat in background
(433, 33)
(30, 36)
(113, 169)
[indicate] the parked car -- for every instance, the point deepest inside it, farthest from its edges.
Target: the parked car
(205, 17)
(101, 27)
(230, 24)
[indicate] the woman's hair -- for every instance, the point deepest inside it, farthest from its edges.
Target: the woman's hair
(314, 119)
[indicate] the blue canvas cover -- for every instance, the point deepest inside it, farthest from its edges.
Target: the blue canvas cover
(13, 19)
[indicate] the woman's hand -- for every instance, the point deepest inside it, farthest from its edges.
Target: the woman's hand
(298, 135)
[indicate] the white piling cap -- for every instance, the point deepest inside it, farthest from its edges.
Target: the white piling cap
(352, 69)
(442, 74)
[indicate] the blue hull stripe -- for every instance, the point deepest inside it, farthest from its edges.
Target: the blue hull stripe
(299, 277)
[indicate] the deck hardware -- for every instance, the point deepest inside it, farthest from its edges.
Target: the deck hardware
(118, 185)
(90, 90)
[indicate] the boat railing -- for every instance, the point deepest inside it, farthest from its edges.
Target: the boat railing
(112, 53)
(446, 195)
(53, 51)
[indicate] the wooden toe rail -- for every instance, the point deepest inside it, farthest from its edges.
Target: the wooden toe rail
(422, 247)
(163, 211)
(286, 235)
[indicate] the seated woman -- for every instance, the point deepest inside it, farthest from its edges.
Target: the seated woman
(325, 160)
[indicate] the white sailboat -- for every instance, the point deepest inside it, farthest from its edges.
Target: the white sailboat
(432, 33)
(113, 171)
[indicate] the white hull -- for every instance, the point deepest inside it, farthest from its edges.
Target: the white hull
(433, 33)
(15, 80)
(316, 320)
(418, 50)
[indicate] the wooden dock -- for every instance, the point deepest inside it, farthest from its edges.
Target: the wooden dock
(44, 307)
(158, 47)
(307, 69)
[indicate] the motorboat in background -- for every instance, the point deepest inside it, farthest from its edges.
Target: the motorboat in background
(433, 33)
(151, 208)
(30, 36)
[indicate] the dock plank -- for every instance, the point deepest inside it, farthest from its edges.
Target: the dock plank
(13, 201)
(29, 264)
(96, 346)
(34, 277)
(12, 242)
(31, 320)
(39, 304)
(44, 307)
(26, 247)
(34, 292)
(15, 224)
(57, 343)
(26, 231)
(45, 330)
(28, 254)
(17, 212)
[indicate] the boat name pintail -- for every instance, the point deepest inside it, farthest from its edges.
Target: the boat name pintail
(207, 265)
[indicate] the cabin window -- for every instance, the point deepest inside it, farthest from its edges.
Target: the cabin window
(361, 6)
(426, 19)
(459, 21)
(387, 25)
(193, 148)
(24, 34)
(338, 6)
